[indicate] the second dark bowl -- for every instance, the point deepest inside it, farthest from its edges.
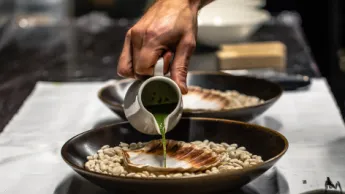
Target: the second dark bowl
(112, 95)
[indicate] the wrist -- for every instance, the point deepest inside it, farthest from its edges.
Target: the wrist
(198, 4)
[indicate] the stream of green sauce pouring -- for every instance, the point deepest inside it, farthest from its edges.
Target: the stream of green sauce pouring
(160, 112)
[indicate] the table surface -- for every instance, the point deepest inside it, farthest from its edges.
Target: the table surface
(31, 143)
(79, 53)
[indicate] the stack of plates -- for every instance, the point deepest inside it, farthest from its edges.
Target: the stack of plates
(229, 21)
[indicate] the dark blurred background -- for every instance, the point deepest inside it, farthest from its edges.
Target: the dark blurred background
(323, 24)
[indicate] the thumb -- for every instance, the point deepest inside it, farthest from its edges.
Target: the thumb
(179, 67)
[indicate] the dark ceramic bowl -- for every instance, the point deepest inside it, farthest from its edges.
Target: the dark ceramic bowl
(268, 143)
(112, 95)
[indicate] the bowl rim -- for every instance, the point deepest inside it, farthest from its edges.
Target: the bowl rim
(262, 16)
(252, 4)
(118, 106)
(63, 152)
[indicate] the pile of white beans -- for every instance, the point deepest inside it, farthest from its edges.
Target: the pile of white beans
(109, 160)
(235, 98)
(238, 100)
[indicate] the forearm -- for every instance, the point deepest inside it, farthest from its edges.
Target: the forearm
(197, 3)
(200, 3)
(204, 3)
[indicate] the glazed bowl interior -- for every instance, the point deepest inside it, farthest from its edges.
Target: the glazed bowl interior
(112, 95)
(258, 140)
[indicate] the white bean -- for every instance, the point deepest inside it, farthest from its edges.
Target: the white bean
(177, 175)
(122, 144)
(103, 167)
(197, 142)
(109, 152)
(219, 149)
(97, 168)
(214, 170)
(225, 145)
(244, 156)
(118, 150)
(234, 145)
(105, 146)
(146, 173)
(117, 170)
(213, 145)
(133, 146)
(241, 148)
(252, 163)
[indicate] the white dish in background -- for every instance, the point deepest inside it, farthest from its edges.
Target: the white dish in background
(227, 24)
(246, 3)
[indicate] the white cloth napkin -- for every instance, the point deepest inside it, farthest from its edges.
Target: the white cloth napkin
(30, 160)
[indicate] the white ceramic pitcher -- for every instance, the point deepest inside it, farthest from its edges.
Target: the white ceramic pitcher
(149, 92)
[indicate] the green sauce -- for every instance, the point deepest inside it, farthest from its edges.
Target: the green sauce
(160, 112)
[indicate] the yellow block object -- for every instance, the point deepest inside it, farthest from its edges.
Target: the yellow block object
(253, 55)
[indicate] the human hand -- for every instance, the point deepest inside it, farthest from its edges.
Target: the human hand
(168, 27)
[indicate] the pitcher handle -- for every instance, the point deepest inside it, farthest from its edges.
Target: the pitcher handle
(159, 68)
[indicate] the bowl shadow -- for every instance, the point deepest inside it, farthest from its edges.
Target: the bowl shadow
(271, 182)
(75, 184)
(322, 191)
